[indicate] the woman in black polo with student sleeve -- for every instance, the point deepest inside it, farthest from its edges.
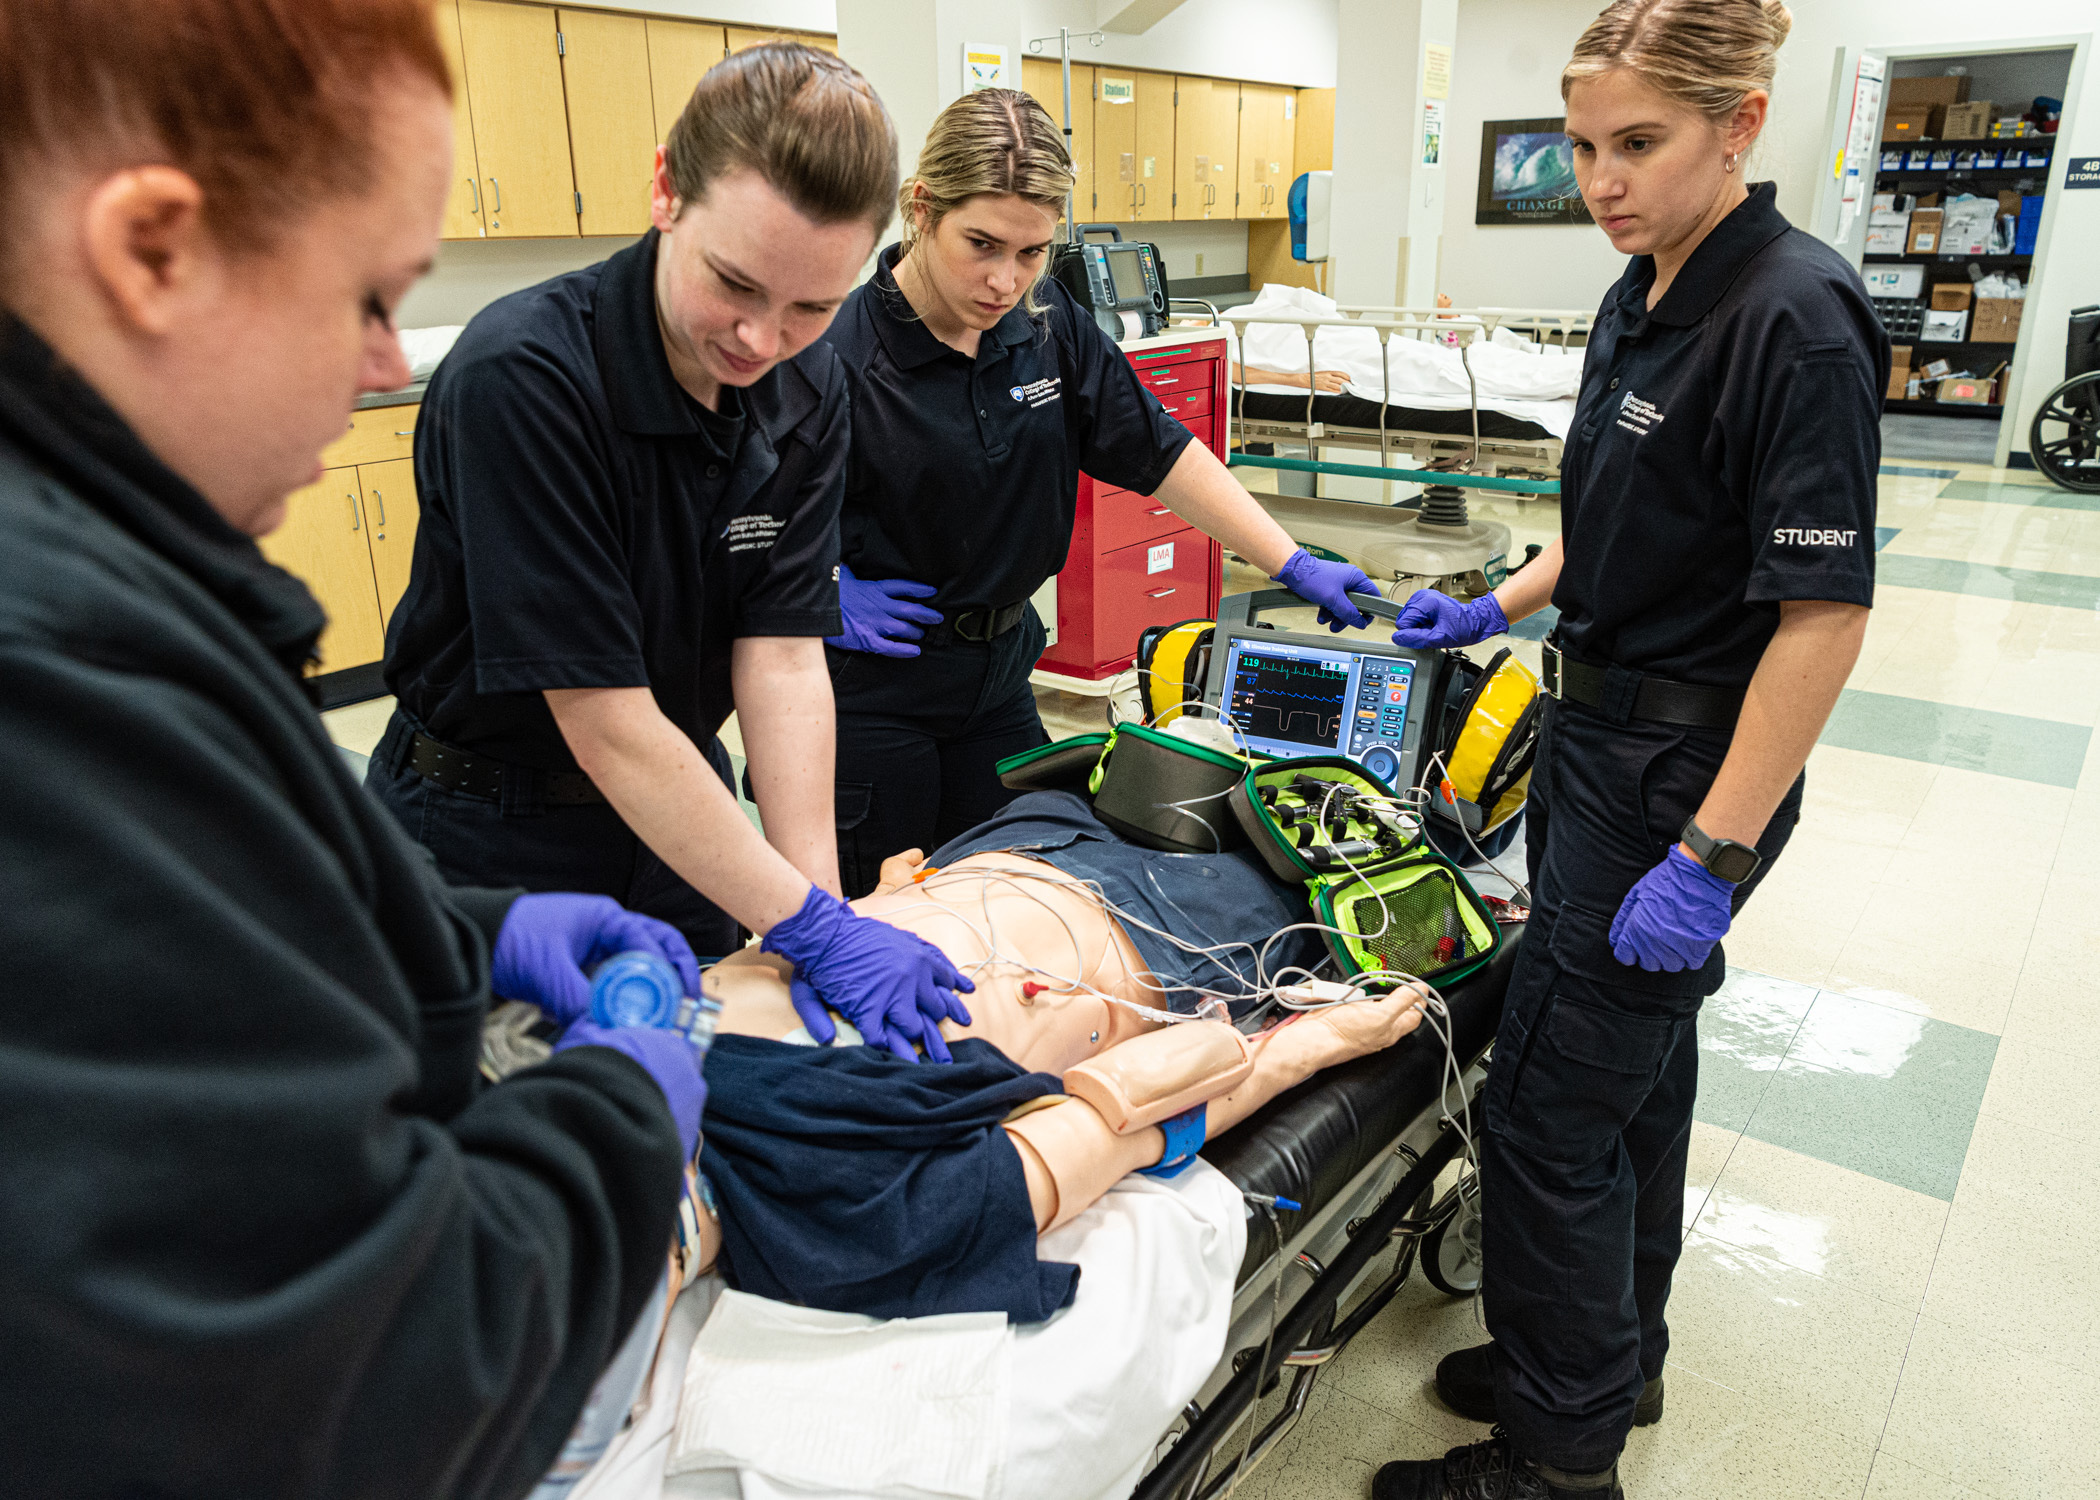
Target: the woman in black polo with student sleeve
(1713, 575)
(981, 391)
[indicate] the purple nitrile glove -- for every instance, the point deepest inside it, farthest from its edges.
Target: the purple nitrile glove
(1432, 620)
(894, 986)
(1673, 916)
(666, 1056)
(1329, 585)
(548, 940)
(880, 616)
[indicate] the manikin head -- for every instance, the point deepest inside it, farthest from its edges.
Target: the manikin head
(213, 221)
(770, 193)
(981, 210)
(1665, 98)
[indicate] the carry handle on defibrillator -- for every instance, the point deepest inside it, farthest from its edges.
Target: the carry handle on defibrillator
(1241, 609)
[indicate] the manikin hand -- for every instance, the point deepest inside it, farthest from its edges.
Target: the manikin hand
(897, 871)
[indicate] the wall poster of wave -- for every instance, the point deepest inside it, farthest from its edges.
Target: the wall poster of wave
(1527, 174)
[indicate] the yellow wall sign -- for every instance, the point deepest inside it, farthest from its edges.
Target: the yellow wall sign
(984, 67)
(1118, 90)
(1436, 71)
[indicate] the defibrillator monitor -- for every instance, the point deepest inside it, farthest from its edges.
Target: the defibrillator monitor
(1122, 284)
(1300, 694)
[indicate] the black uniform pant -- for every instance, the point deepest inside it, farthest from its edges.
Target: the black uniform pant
(520, 841)
(1588, 1108)
(918, 739)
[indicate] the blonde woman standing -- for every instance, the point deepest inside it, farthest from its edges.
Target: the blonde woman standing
(981, 390)
(1713, 575)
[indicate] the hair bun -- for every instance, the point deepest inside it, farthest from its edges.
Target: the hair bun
(1780, 19)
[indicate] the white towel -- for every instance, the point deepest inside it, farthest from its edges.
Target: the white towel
(912, 1408)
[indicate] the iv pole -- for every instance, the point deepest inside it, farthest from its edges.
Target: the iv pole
(1064, 52)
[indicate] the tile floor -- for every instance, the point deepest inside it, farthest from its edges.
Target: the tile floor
(1892, 1226)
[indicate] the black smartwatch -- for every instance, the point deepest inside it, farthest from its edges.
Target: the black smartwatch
(1725, 858)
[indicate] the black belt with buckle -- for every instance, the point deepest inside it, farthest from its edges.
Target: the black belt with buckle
(482, 775)
(1620, 695)
(977, 625)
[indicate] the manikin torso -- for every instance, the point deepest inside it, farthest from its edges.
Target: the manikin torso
(1022, 906)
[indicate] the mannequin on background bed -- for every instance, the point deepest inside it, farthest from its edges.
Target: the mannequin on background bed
(850, 1179)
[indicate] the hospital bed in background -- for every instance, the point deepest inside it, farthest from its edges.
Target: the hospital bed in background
(1452, 400)
(1359, 1147)
(1386, 412)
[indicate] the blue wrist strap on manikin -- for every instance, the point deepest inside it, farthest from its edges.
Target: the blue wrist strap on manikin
(1184, 1140)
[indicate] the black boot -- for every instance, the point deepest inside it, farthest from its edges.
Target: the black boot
(1490, 1471)
(1465, 1385)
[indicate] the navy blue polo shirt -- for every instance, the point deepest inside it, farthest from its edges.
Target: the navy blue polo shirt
(965, 473)
(587, 523)
(1724, 453)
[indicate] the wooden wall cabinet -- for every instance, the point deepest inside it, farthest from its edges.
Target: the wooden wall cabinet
(323, 542)
(521, 121)
(350, 536)
(463, 220)
(1269, 241)
(1045, 80)
(740, 37)
(1133, 146)
(612, 118)
(1268, 148)
(1206, 148)
(679, 52)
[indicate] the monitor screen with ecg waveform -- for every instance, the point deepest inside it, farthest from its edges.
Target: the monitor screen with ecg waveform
(1293, 699)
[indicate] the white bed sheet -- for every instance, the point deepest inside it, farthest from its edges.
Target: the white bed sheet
(1092, 1389)
(1527, 381)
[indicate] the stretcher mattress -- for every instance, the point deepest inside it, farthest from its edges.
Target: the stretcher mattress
(1310, 1143)
(1355, 411)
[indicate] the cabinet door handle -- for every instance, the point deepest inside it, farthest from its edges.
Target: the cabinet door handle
(476, 186)
(351, 496)
(1162, 511)
(499, 193)
(399, 433)
(382, 504)
(1158, 593)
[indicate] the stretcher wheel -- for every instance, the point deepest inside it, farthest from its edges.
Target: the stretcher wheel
(2070, 458)
(1451, 1251)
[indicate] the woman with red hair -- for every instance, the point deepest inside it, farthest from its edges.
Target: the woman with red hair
(263, 1230)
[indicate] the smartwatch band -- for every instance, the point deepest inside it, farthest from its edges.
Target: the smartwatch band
(1725, 859)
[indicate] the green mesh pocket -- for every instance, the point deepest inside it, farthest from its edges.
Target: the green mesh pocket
(1416, 920)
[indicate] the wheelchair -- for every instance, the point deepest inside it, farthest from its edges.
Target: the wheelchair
(2065, 437)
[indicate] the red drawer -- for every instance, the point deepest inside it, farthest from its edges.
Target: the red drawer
(1123, 517)
(1187, 403)
(1151, 583)
(1193, 375)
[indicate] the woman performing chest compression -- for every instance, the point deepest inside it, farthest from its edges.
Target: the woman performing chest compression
(1713, 575)
(630, 479)
(980, 393)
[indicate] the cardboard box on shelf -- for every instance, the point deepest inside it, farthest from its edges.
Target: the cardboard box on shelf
(1997, 320)
(1935, 369)
(1899, 372)
(1941, 88)
(1964, 390)
(1912, 124)
(1942, 327)
(1924, 231)
(1951, 296)
(1970, 121)
(1906, 282)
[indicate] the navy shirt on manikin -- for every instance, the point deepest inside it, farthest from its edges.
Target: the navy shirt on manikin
(965, 473)
(1723, 454)
(586, 523)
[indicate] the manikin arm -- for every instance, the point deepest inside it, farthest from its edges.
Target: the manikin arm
(1071, 1155)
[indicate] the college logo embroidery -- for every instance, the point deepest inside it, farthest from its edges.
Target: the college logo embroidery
(753, 533)
(1810, 536)
(1637, 416)
(1039, 392)
(1017, 393)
